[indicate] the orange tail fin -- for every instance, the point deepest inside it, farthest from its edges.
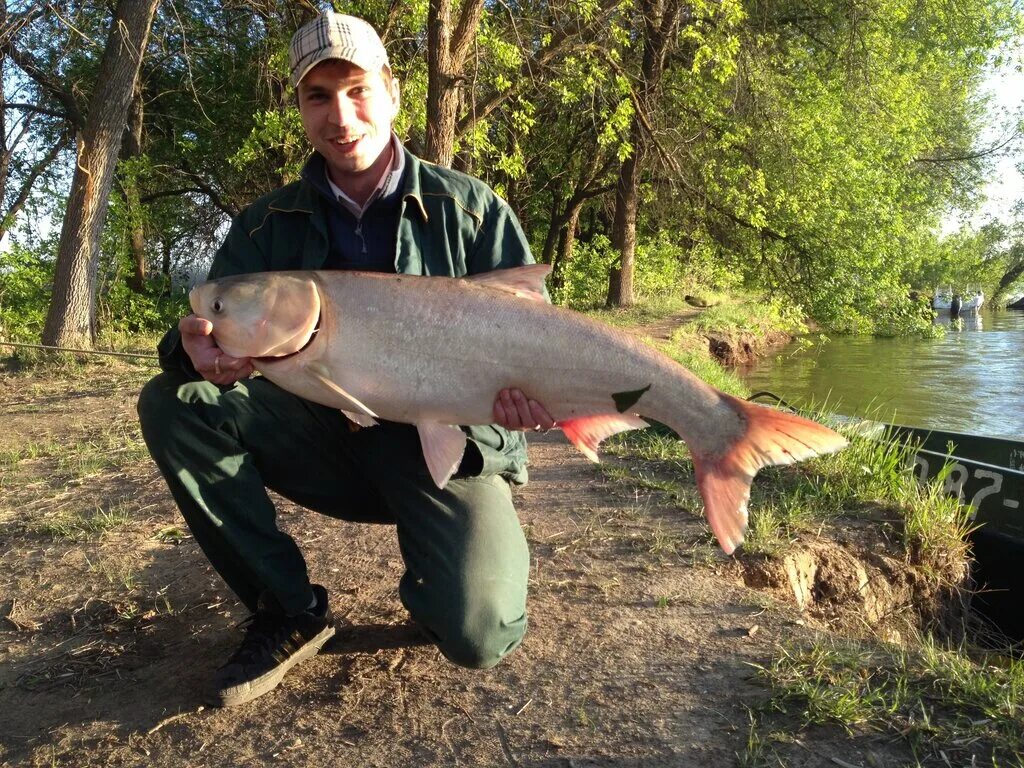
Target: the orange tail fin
(772, 437)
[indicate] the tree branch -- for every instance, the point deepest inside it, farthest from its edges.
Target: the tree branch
(23, 107)
(560, 41)
(29, 66)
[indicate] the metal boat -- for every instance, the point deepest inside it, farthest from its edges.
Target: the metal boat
(986, 473)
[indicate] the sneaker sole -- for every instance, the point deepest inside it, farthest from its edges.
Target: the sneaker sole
(241, 694)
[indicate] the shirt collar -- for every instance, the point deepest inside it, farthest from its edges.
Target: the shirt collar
(387, 184)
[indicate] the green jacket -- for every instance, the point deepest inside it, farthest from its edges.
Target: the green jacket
(450, 224)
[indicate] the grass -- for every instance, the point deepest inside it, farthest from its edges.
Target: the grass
(118, 445)
(753, 315)
(86, 525)
(947, 705)
(650, 310)
(872, 477)
(32, 449)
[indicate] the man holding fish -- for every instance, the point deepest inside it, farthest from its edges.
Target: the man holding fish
(221, 438)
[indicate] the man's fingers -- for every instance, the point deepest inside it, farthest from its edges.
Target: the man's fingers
(197, 326)
(522, 409)
(513, 410)
(540, 416)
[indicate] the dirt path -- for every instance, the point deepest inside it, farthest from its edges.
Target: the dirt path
(639, 652)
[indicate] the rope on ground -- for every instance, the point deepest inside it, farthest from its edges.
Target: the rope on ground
(79, 351)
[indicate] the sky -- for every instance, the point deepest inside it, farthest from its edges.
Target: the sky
(1006, 182)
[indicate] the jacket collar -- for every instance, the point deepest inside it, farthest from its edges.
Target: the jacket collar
(301, 198)
(411, 187)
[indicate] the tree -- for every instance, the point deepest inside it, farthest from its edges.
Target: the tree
(660, 21)
(71, 318)
(448, 45)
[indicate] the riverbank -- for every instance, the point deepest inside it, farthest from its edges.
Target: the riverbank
(646, 647)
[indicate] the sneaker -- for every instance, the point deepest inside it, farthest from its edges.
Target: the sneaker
(273, 644)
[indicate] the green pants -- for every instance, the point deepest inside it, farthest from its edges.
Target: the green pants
(219, 449)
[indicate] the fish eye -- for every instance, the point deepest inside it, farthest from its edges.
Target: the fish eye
(217, 306)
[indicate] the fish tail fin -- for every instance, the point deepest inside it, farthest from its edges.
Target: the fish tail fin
(772, 437)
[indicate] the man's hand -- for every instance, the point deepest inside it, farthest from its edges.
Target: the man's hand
(207, 358)
(513, 410)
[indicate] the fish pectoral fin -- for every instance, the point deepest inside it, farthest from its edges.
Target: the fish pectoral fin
(587, 432)
(526, 282)
(362, 419)
(443, 447)
(352, 405)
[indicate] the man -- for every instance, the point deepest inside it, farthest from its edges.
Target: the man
(221, 438)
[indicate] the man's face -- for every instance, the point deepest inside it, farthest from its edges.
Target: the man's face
(347, 113)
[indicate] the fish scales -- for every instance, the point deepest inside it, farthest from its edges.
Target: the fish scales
(411, 348)
(434, 352)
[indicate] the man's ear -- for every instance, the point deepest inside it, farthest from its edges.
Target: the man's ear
(396, 94)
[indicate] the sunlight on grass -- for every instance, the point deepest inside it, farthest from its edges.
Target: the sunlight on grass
(650, 310)
(85, 525)
(943, 701)
(753, 315)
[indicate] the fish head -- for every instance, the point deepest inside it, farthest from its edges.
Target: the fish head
(260, 315)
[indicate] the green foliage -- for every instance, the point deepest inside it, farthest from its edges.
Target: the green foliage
(278, 133)
(25, 285)
(155, 309)
(802, 149)
(586, 276)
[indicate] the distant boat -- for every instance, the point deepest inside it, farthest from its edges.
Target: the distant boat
(945, 300)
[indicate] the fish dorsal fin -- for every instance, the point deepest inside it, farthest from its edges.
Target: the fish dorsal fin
(350, 405)
(587, 432)
(526, 282)
(443, 446)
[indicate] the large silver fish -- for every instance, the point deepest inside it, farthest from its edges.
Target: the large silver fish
(435, 351)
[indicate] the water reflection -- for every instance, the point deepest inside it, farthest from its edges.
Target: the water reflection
(968, 321)
(967, 381)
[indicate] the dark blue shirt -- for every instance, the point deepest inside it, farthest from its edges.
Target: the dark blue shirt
(365, 243)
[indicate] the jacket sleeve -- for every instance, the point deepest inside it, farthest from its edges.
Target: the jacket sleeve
(238, 254)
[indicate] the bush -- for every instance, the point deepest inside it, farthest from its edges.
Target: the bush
(125, 311)
(25, 288)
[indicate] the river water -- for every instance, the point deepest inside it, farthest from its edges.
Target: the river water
(972, 380)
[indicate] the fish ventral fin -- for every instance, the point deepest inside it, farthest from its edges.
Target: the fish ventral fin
(772, 437)
(443, 446)
(587, 432)
(526, 282)
(352, 406)
(362, 419)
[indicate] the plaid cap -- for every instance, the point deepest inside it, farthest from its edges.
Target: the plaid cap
(335, 36)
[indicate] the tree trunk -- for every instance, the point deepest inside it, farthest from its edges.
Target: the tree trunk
(447, 51)
(566, 245)
(137, 237)
(71, 320)
(165, 266)
(660, 19)
(1015, 270)
(620, 279)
